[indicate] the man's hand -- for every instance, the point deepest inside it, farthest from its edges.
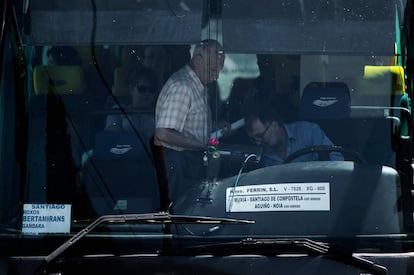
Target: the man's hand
(225, 127)
(175, 138)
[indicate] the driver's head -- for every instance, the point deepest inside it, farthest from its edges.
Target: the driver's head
(264, 128)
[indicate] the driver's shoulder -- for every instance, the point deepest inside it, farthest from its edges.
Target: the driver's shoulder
(302, 126)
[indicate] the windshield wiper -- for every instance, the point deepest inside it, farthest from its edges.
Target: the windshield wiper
(284, 246)
(151, 218)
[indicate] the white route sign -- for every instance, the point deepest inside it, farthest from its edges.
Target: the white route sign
(46, 218)
(313, 196)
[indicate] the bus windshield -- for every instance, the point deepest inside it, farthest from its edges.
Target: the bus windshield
(157, 126)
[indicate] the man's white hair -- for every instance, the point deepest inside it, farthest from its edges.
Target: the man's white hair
(203, 46)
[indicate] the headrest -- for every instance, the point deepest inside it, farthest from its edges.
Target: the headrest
(57, 80)
(325, 101)
(117, 145)
(383, 80)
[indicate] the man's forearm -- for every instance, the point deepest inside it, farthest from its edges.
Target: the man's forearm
(172, 137)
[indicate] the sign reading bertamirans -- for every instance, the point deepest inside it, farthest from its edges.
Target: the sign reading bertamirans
(46, 218)
(313, 196)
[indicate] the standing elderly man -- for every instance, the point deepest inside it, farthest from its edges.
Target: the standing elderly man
(183, 116)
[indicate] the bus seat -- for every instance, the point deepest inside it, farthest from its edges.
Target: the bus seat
(325, 101)
(328, 104)
(119, 176)
(387, 80)
(57, 80)
(56, 150)
(380, 86)
(65, 84)
(58, 98)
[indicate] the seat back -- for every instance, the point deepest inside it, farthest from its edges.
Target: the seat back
(120, 176)
(325, 101)
(65, 84)
(388, 79)
(58, 127)
(378, 97)
(329, 105)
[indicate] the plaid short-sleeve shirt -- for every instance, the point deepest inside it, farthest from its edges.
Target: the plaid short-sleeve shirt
(183, 106)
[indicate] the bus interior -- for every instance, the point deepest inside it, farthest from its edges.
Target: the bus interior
(344, 65)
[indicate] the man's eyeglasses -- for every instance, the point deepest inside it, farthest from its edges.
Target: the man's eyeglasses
(260, 136)
(145, 89)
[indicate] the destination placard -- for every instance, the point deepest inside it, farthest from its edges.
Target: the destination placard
(313, 196)
(46, 218)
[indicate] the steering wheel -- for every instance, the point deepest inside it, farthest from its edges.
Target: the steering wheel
(323, 153)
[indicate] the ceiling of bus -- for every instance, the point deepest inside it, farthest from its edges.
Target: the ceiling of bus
(81, 22)
(317, 26)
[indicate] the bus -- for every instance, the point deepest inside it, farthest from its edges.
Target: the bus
(307, 162)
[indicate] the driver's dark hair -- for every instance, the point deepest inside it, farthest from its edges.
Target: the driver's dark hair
(265, 113)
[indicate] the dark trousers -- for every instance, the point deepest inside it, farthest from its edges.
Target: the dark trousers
(184, 169)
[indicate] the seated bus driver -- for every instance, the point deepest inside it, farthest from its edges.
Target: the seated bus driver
(282, 139)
